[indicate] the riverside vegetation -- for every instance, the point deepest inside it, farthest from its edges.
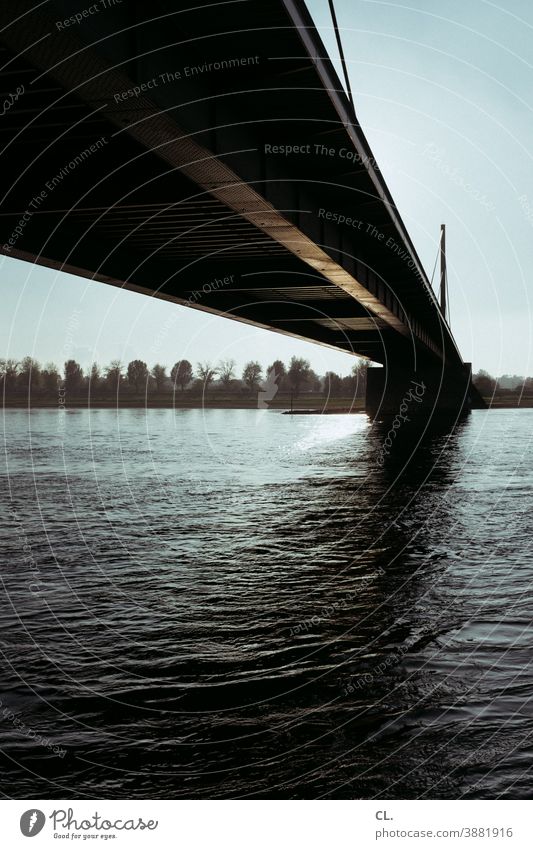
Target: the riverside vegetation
(208, 384)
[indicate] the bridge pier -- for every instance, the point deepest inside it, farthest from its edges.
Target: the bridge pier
(421, 394)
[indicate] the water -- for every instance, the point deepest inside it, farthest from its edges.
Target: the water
(236, 603)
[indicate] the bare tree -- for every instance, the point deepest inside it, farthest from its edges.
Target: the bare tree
(206, 374)
(226, 372)
(8, 375)
(252, 374)
(359, 372)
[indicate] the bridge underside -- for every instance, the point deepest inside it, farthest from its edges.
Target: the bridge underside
(149, 149)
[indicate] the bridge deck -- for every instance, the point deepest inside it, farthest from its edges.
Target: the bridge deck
(208, 157)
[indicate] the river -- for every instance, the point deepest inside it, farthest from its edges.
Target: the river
(237, 603)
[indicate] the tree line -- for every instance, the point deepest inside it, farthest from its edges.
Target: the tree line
(18, 378)
(507, 384)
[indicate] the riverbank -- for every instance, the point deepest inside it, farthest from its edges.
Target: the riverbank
(212, 404)
(309, 403)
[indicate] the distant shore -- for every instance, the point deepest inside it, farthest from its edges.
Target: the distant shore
(332, 405)
(341, 405)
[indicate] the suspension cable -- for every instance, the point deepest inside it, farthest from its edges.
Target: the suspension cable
(435, 267)
(449, 319)
(341, 54)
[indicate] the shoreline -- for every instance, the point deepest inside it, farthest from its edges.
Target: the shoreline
(169, 405)
(344, 406)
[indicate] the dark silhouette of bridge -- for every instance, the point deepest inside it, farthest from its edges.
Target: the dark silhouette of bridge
(211, 157)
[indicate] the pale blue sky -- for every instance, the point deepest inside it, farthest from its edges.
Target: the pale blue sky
(444, 92)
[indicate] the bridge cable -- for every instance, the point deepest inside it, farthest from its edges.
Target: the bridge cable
(449, 319)
(341, 54)
(446, 278)
(434, 269)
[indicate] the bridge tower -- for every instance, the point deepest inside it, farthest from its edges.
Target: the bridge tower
(429, 389)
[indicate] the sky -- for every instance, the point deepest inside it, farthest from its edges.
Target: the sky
(444, 93)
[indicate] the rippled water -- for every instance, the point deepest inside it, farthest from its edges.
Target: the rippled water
(229, 603)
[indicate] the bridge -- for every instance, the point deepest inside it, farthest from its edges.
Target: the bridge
(211, 157)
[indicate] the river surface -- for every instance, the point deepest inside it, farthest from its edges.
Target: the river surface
(237, 603)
